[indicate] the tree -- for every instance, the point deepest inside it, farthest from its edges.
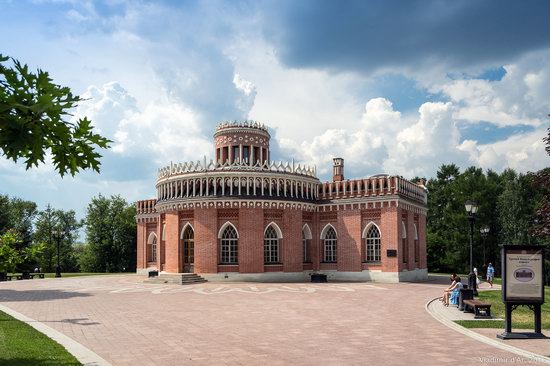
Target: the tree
(65, 222)
(540, 228)
(18, 214)
(11, 255)
(32, 109)
(513, 208)
(111, 235)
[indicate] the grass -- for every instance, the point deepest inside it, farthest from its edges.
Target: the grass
(21, 345)
(464, 277)
(522, 317)
(76, 274)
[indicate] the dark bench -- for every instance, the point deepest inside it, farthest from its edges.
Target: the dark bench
(318, 278)
(40, 275)
(481, 309)
(24, 276)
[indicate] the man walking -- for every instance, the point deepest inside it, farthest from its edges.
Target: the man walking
(490, 274)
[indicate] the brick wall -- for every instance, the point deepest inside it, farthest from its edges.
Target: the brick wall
(141, 240)
(349, 240)
(390, 223)
(173, 255)
(251, 240)
(206, 240)
(292, 241)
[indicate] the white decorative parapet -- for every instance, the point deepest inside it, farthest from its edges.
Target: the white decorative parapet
(247, 123)
(214, 166)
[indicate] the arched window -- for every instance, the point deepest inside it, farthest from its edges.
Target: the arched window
(306, 242)
(404, 242)
(330, 245)
(416, 246)
(152, 248)
(373, 244)
(271, 245)
(229, 245)
(188, 238)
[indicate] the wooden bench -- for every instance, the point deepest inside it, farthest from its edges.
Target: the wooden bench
(40, 275)
(481, 309)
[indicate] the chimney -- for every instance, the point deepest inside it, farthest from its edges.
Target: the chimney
(338, 170)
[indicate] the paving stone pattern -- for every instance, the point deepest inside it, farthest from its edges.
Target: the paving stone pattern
(128, 322)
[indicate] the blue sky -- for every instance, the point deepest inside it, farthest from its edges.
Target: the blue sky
(391, 86)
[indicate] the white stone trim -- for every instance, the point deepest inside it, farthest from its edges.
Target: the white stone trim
(226, 224)
(306, 229)
(277, 229)
(185, 227)
(324, 231)
(367, 227)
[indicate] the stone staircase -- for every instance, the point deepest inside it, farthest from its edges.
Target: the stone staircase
(177, 279)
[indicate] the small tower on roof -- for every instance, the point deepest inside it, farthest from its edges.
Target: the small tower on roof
(338, 170)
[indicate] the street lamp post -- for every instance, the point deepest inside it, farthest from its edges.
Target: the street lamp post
(484, 233)
(471, 209)
(58, 234)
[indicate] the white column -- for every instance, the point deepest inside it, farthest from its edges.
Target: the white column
(261, 156)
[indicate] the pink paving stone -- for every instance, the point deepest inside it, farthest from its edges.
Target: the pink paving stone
(248, 324)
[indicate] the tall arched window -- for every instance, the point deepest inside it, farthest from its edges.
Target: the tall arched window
(306, 242)
(229, 246)
(152, 248)
(330, 245)
(271, 245)
(188, 238)
(373, 244)
(404, 242)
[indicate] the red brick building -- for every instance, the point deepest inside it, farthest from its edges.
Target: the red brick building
(244, 217)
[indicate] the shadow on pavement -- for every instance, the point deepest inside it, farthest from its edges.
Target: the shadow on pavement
(37, 295)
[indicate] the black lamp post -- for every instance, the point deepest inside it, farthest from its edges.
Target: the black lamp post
(484, 233)
(58, 234)
(471, 209)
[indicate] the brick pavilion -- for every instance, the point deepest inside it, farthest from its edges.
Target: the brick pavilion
(244, 217)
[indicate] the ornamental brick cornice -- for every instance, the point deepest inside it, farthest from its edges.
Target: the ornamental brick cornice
(227, 204)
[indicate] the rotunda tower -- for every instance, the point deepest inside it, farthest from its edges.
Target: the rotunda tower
(246, 142)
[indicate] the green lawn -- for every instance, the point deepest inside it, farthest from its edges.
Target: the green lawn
(522, 317)
(21, 344)
(76, 274)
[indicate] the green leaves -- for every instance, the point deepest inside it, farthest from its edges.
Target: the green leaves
(11, 256)
(110, 234)
(32, 112)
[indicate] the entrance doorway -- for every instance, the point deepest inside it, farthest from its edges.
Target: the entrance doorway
(188, 238)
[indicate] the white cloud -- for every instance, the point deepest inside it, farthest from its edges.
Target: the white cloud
(160, 132)
(520, 97)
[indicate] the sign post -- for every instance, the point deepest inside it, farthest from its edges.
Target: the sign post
(522, 284)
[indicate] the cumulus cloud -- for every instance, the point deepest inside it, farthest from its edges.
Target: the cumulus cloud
(518, 98)
(385, 141)
(162, 131)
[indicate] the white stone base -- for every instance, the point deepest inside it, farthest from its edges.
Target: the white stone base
(417, 275)
(145, 271)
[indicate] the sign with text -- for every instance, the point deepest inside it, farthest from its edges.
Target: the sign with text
(523, 275)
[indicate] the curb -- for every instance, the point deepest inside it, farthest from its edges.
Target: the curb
(492, 342)
(81, 353)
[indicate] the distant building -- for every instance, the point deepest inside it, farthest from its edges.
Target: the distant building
(244, 217)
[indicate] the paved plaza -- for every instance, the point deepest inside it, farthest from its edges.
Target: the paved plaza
(128, 322)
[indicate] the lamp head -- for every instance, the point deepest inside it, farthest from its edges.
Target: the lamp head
(471, 207)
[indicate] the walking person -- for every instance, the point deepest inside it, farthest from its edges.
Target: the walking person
(490, 274)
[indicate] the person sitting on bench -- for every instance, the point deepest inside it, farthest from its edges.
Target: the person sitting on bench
(452, 295)
(448, 289)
